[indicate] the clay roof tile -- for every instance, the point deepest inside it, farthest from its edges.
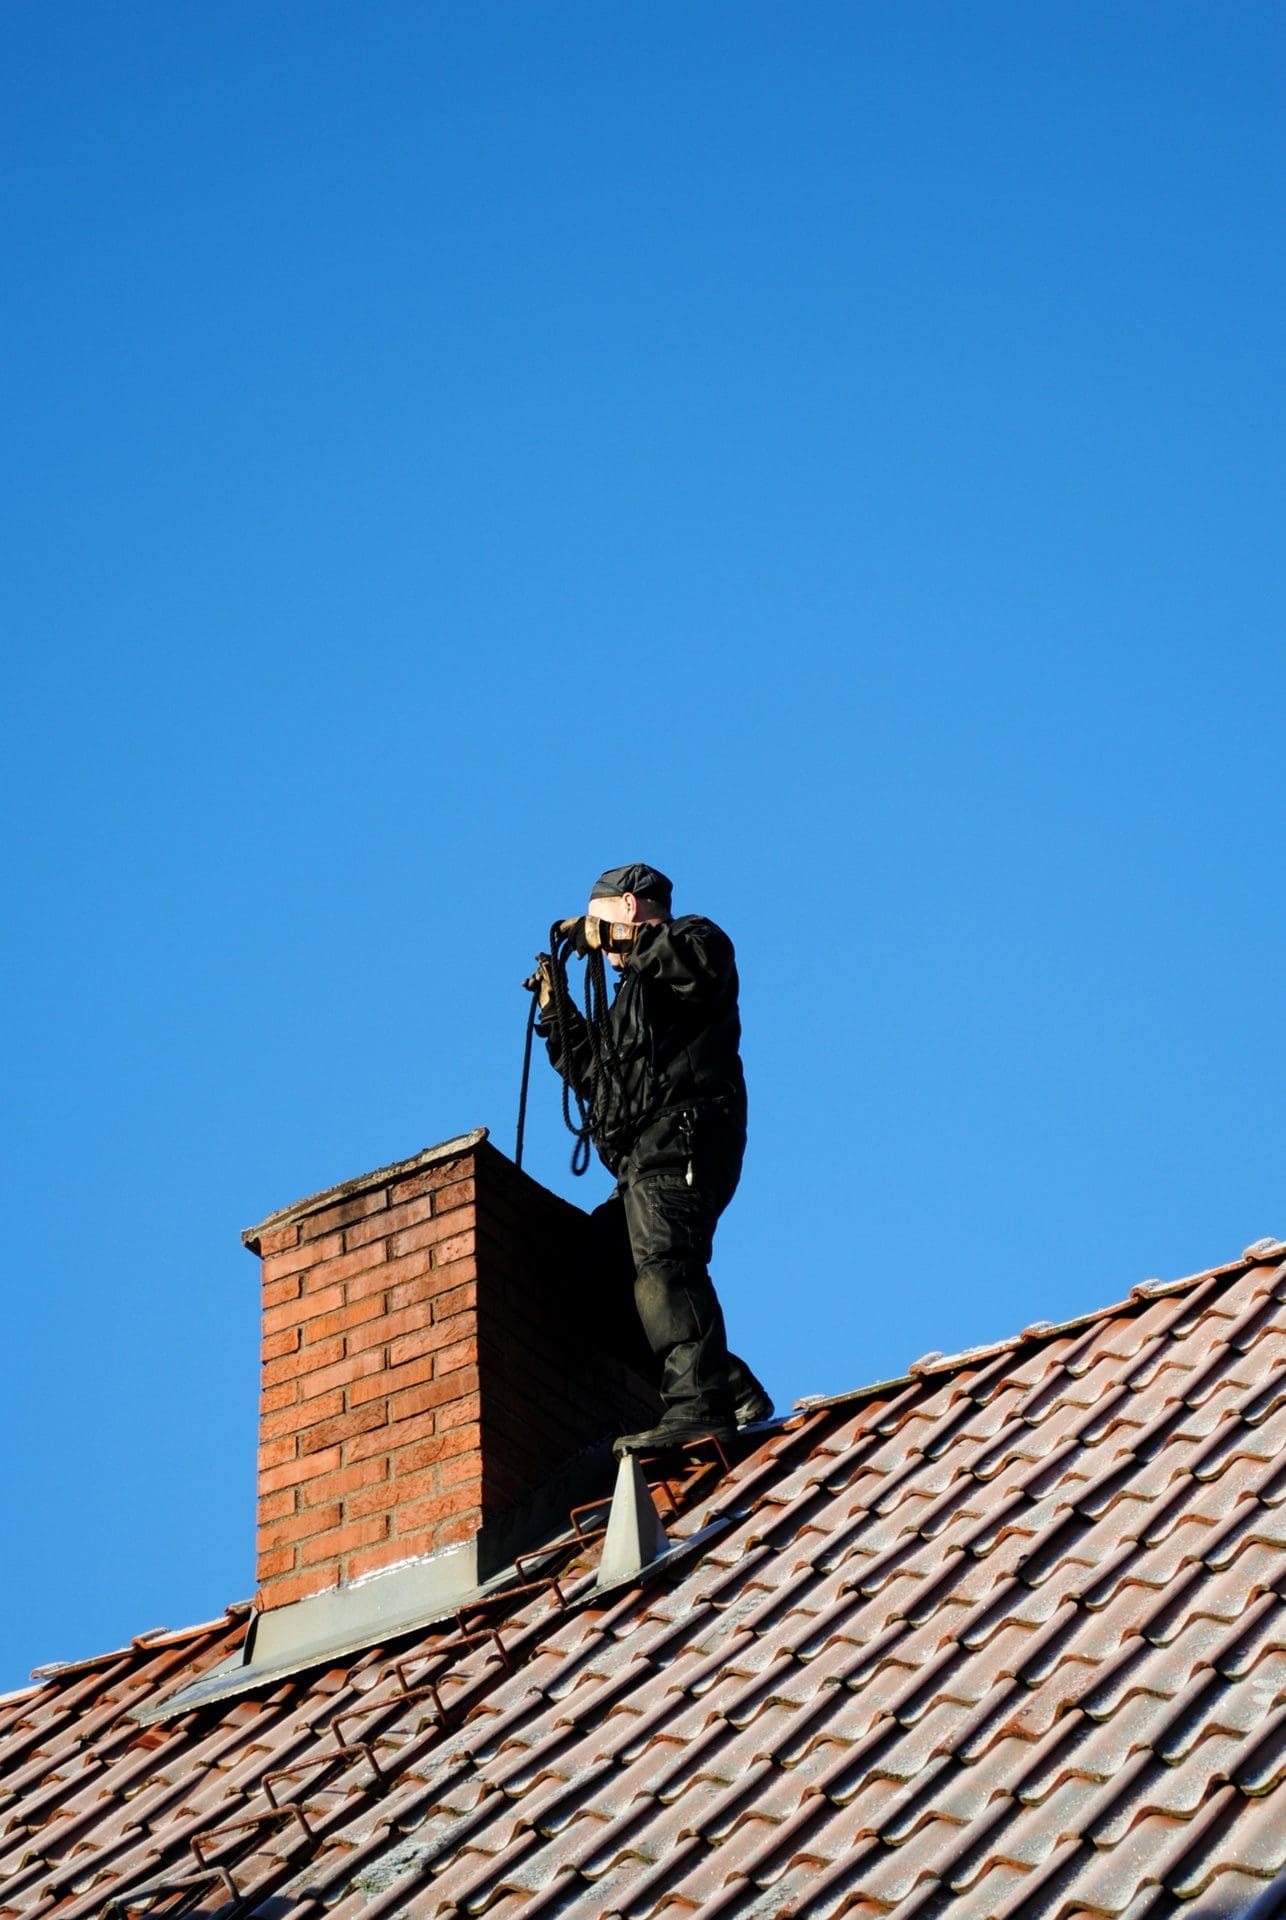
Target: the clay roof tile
(1002, 1637)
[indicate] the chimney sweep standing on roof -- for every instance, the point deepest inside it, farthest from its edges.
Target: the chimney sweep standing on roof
(659, 1082)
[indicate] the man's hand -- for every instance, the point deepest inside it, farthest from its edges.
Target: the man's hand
(541, 982)
(574, 929)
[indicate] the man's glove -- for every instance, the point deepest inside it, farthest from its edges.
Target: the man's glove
(588, 935)
(574, 930)
(541, 982)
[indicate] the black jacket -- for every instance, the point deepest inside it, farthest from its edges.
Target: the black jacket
(676, 1032)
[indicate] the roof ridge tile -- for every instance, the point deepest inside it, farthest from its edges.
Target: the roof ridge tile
(935, 1362)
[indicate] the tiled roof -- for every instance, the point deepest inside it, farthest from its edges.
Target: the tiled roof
(1002, 1638)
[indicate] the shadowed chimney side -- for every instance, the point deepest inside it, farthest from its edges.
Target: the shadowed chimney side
(435, 1346)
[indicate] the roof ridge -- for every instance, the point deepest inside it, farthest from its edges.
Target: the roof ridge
(145, 1642)
(1259, 1253)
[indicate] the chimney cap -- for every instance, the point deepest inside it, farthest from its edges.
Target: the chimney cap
(398, 1170)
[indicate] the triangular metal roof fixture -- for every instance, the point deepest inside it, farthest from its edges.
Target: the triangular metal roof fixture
(635, 1536)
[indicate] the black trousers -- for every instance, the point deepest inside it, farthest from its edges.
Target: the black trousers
(658, 1228)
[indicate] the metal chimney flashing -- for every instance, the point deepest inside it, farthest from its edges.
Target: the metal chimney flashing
(396, 1600)
(345, 1620)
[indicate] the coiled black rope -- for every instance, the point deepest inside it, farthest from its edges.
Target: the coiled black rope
(604, 1066)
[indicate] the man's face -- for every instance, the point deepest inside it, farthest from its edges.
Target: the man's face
(613, 906)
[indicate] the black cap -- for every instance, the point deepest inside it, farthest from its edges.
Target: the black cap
(639, 878)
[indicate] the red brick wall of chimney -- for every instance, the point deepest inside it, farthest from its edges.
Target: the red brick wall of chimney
(433, 1347)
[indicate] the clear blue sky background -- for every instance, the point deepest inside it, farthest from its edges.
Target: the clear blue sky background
(833, 452)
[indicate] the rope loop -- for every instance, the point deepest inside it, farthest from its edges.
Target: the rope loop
(604, 1064)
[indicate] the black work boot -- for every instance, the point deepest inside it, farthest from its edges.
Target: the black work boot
(694, 1396)
(751, 1401)
(676, 1428)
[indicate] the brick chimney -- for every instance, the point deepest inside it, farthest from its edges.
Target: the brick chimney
(435, 1346)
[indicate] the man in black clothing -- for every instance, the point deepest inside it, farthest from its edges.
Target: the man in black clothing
(667, 1109)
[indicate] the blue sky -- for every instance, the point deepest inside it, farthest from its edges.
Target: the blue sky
(834, 453)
